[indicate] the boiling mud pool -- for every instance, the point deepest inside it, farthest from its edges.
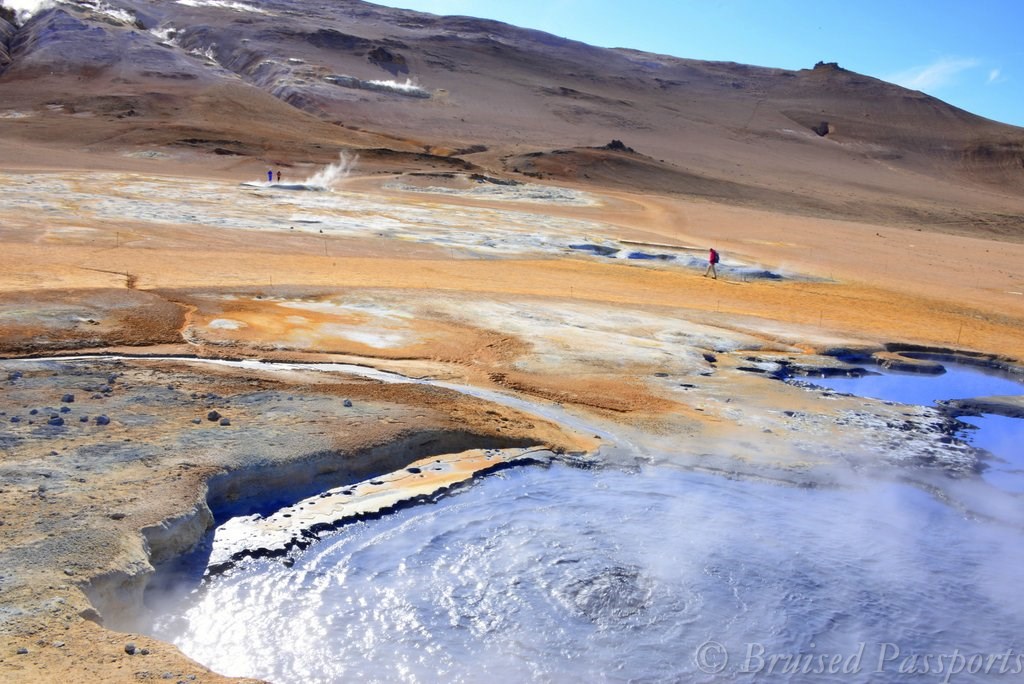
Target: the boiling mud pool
(1001, 436)
(563, 574)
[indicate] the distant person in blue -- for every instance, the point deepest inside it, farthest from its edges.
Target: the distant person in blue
(270, 175)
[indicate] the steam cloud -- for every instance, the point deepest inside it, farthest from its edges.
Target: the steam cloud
(327, 177)
(24, 9)
(223, 4)
(408, 87)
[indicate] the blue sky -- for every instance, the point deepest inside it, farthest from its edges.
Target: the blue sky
(969, 53)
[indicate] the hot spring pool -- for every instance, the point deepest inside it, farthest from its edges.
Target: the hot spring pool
(561, 574)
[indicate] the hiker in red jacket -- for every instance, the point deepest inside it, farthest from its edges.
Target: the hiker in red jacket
(712, 260)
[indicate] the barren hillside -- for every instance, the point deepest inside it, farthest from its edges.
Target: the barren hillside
(287, 81)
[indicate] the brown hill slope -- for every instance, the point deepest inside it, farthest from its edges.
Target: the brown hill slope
(296, 79)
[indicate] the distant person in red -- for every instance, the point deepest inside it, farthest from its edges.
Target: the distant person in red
(270, 175)
(712, 260)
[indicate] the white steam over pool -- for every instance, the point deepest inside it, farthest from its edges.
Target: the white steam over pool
(402, 87)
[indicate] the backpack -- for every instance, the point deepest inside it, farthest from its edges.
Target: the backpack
(714, 257)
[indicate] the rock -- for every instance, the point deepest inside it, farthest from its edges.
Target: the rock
(197, 421)
(904, 364)
(144, 651)
(68, 398)
(129, 648)
(213, 416)
(22, 651)
(83, 419)
(65, 409)
(15, 419)
(1011, 406)
(58, 644)
(106, 389)
(69, 572)
(55, 420)
(225, 421)
(16, 375)
(33, 412)
(822, 128)
(347, 403)
(102, 420)
(392, 62)
(111, 379)
(618, 146)
(90, 614)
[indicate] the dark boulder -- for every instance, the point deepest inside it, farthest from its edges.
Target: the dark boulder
(618, 146)
(330, 39)
(392, 62)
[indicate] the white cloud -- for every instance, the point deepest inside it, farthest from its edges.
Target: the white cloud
(934, 76)
(995, 76)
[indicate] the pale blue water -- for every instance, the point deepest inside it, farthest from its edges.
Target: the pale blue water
(560, 574)
(1001, 436)
(1004, 438)
(958, 382)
